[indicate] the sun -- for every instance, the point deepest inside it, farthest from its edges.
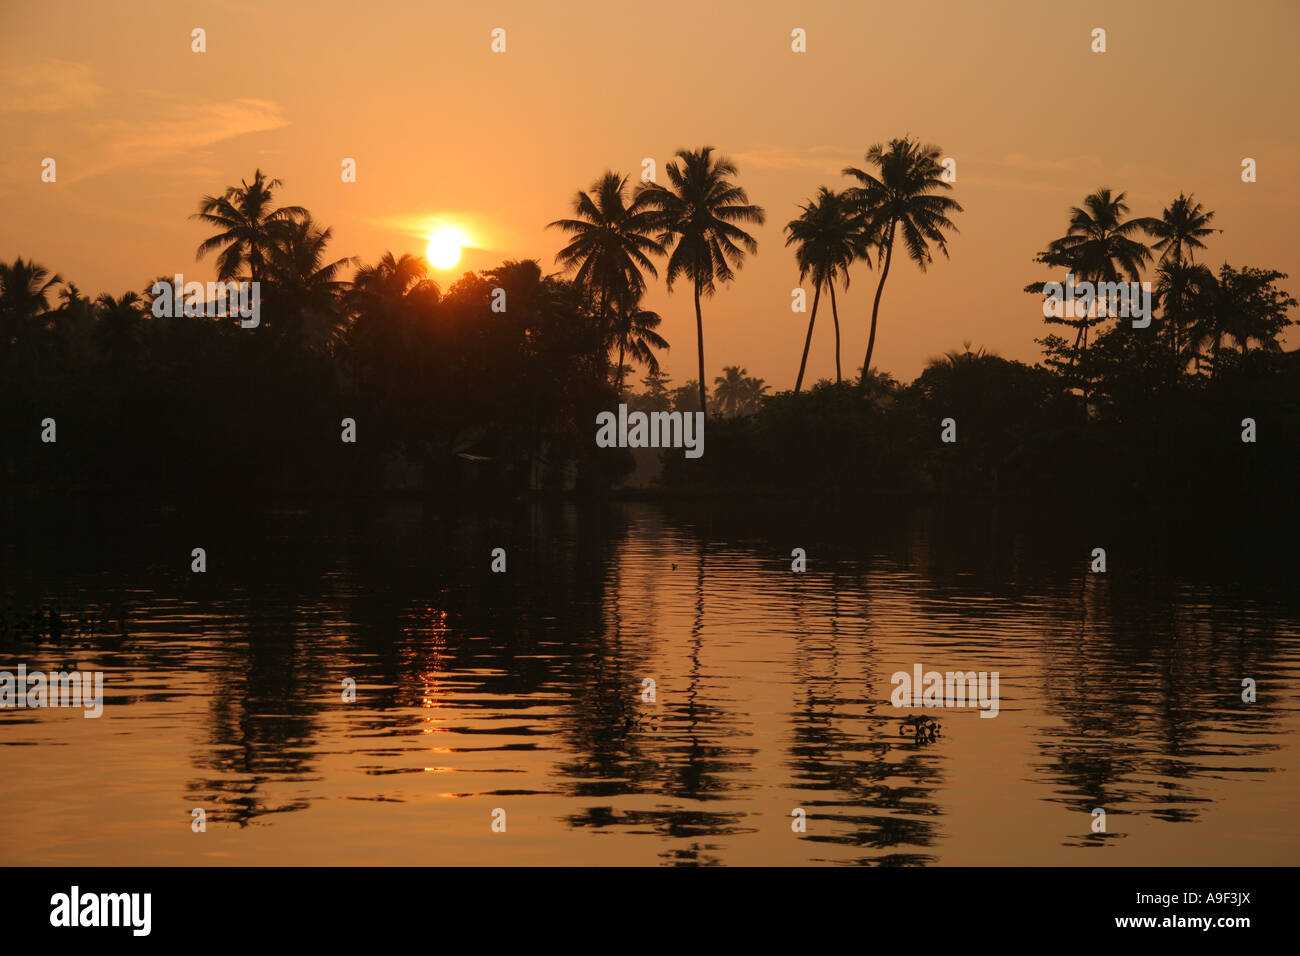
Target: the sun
(444, 248)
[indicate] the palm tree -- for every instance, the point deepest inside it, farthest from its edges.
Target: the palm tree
(383, 287)
(1098, 248)
(881, 386)
(697, 214)
(117, 332)
(729, 391)
(379, 301)
(74, 318)
(737, 393)
(635, 331)
(24, 290)
(827, 243)
(308, 287)
(963, 356)
(1183, 292)
(901, 195)
(249, 226)
(752, 401)
(1180, 228)
(611, 246)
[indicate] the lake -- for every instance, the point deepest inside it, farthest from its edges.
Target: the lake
(527, 691)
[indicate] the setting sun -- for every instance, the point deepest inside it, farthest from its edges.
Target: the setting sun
(444, 247)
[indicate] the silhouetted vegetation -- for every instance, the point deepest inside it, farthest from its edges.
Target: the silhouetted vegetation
(446, 392)
(1142, 417)
(453, 394)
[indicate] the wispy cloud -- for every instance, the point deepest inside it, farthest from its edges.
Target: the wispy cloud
(183, 130)
(48, 86)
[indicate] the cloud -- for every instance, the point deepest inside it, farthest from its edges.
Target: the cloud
(185, 130)
(49, 86)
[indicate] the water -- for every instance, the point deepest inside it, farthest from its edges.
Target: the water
(523, 691)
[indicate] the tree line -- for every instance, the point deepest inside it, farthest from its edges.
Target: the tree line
(447, 391)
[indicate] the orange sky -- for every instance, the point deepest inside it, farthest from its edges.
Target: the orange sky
(442, 128)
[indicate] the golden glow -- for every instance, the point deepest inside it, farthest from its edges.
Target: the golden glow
(444, 247)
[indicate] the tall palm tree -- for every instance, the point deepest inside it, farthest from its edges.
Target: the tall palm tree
(1180, 228)
(610, 247)
(1099, 248)
(249, 226)
(697, 214)
(826, 243)
(901, 195)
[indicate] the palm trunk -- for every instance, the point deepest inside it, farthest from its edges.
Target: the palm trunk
(1078, 338)
(699, 336)
(621, 343)
(875, 312)
(604, 342)
(803, 364)
(835, 314)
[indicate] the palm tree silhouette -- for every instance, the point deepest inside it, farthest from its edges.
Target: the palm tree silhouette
(1099, 248)
(379, 302)
(1180, 228)
(73, 318)
(382, 288)
(1183, 291)
(24, 291)
(698, 217)
(610, 248)
(826, 243)
(1182, 287)
(118, 329)
(308, 288)
(901, 194)
(729, 390)
(736, 393)
(635, 331)
(249, 226)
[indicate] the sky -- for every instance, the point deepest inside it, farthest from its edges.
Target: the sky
(443, 130)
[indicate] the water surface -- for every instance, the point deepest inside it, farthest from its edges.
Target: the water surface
(523, 692)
